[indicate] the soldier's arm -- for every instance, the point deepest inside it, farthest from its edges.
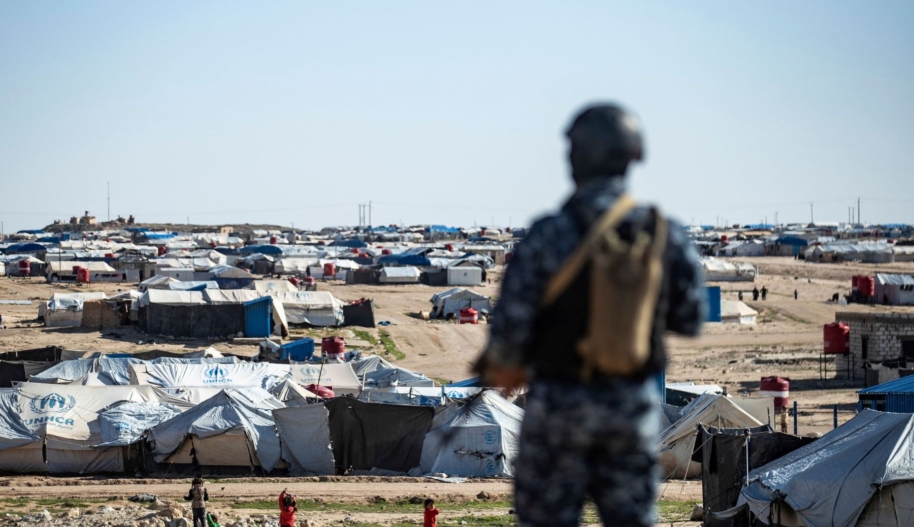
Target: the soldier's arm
(688, 300)
(514, 314)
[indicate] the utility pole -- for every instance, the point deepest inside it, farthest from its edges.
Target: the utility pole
(369, 213)
(109, 201)
(812, 218)
(776, 224)
(858, 210)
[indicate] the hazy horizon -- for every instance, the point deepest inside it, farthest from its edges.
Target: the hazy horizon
(449, 114)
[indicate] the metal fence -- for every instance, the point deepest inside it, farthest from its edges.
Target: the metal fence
(813, 420)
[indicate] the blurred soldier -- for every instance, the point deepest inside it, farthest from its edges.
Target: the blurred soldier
(591, 412)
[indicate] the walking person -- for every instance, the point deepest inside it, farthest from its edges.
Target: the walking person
(764, 293)
(755, 294)
(287, 509)
(580, 277)
(198, 497)
(796, 294)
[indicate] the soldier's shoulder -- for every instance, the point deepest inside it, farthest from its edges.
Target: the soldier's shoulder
(549, 224)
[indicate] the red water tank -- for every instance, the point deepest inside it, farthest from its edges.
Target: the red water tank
(308, 280)
(837, 338)
(294, 281)
(162, 249)
(777, 387)
(333, 348)
(482, 232)
(450, 247)
(76, 269)
(353, 250)
(273, 240)
(724, 239)
(385, 252)
(25, 268)
(329, 270)
(82, 275)
(325, 392)
(468, 315)
(867, 286)
(109, 255)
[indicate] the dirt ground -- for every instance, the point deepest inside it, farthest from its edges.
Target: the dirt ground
(786, 341)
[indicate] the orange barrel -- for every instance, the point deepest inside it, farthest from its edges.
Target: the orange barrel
(333, 348)
(837, 338)
(468, 315)
(777, 387)
(329, 271)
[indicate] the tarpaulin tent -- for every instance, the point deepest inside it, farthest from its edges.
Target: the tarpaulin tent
(67, 418)
(317, 308)
(305, 436)
(368, 364)
(722, 454)
(18, 452)
(678, 441)
(338, 376)
(65, 309)
(242, 374)
(125, 423)
(233, 429)
(859, 474)
(400, 275)
(291, 394)
(397, 377)
(369, 436)
(480, 441)
(450, 302)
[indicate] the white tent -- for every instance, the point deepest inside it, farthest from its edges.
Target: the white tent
(450, 302)
(305, 433)
(677, 442)
(724, 271)
(317, 308)
(400, 275)
(859, 474)
(234, 428)
(734, 311)
(478, 440)
(66, 309)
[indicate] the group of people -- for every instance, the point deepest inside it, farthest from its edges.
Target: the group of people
(198, 496)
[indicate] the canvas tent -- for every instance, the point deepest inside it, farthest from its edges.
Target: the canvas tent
(291, 394)
(450, 302)
(66, 309)
(125, 423)
(317, 308)
(724, 271)
(734, 311)
(677, 442)
(859, 474)
(479, 439)
(232, 429)
(400, 275)
(20, 447)
(304, 434)
(242, 374)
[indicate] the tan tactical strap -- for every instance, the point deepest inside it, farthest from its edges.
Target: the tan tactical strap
(573, 265)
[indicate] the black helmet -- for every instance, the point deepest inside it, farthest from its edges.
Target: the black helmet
(605, 138)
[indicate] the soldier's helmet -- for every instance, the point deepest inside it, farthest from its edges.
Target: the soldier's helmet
(605, 138)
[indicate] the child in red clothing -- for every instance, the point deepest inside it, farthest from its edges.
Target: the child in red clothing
(430, 514)
(287, 509)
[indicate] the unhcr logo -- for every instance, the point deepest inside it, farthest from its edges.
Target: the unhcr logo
(52, 403)
(216, 375)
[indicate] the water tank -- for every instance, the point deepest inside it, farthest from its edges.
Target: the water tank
(867, 286)
(308, 280)
(353, 250)
(294, 281)
(109, 255)
(777, 387)
(450, 247)
(385, 252)
(724, 238)
(325, 392)
(482, 232)
(25, 268)
(333, 348)
(468, 315)
(82, 275)
(329, 271)
(837, 338)
(162, 249)
(273, 240)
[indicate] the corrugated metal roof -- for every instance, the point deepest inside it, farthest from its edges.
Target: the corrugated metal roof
(902, 385)
(895, 279)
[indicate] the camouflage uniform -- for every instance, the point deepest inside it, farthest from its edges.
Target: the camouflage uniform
(596, 437)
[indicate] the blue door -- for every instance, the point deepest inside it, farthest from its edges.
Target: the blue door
(257, 317)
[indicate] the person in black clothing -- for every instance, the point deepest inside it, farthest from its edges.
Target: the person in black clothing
(593, 436)
(755, 294)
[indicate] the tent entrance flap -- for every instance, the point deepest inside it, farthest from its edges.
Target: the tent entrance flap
(257, 317)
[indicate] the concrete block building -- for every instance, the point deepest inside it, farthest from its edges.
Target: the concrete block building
(880, 337)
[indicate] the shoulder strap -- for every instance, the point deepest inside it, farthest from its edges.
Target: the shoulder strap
(557, 284)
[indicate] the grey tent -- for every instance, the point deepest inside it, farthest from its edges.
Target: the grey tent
(397, 377)
(20, 448)
(480, 441)
(368, 364)
(305, 435)
(235, 428)
(125, 423)
(859, 474)
(450, 302)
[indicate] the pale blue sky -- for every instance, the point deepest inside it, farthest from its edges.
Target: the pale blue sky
(449, 113)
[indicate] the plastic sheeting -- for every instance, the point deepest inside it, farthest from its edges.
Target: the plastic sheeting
(13, 431)
(480, 441)
(305, 436)
(65, 372)
(832, 480)
(369, 436)
(339, 376)
(317, 308)
(453, 300)
(125, 424)
(368, 364)
(375, 396)
(259, 374)
(248, 410)
(397, 377)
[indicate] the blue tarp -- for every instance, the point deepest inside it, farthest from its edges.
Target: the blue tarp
(158, 235)
(442, 228)
(48, 239)
(30, 231)
(261, 249)
(475, 382)
(22, 248)
(405, 259)
(355, 244)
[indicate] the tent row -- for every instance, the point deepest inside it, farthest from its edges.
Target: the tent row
(76, 429)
